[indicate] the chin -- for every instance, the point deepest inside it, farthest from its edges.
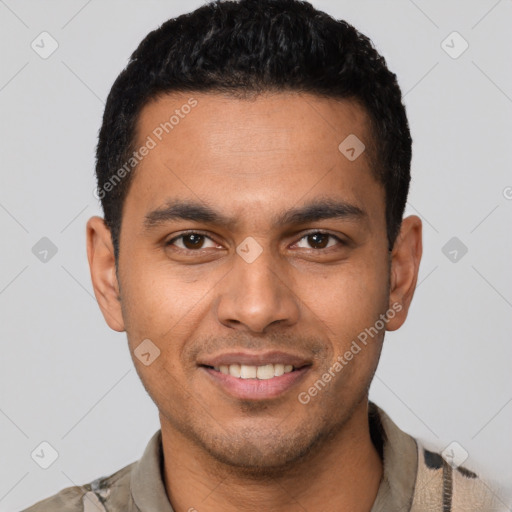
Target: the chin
(262, 453)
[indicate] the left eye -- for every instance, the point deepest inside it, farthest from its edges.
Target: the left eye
(319, 240)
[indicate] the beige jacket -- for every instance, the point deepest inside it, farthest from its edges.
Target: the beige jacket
(414, 480)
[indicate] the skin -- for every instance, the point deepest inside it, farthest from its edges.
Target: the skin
(250, 160)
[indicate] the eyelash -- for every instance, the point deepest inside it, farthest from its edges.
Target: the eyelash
(184, 234)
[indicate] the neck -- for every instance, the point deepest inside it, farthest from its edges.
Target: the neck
(343, 474)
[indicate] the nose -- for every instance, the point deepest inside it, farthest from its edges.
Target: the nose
(255, 295)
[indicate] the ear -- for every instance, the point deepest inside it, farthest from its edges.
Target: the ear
(100, 253)
(405, 263)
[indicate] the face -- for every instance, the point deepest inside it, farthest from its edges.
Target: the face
(251, 244)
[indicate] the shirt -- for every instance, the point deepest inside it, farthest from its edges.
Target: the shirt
(414, 479)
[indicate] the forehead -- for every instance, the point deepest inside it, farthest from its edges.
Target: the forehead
(283, 121)
(250, 154)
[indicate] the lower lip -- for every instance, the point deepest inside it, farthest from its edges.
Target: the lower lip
(256, 389)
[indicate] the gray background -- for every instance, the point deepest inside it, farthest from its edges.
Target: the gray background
(65, 378)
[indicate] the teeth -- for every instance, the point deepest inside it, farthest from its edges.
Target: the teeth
(278, 369)
(265, 372)
(234, 370)
(245, 371)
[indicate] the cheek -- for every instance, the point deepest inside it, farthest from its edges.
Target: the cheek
(157, 300)
(349, 300)
(166, 307)
(348, 305)
(157, 307)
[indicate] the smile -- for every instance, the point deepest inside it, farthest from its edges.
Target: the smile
(244, 371)
(255, 382)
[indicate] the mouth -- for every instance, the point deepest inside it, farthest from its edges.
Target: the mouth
(245, 371)
(255, 376)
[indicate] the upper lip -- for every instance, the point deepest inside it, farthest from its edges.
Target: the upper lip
(254, 359)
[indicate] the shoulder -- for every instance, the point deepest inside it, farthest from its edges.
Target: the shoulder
(451, 486)
(423, 477)
(91, 496)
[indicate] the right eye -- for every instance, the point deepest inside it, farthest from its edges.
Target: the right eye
(191, 241)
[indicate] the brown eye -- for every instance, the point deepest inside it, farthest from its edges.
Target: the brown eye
(319, 240)
(191, 241)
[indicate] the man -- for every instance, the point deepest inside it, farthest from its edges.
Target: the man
(253, 167)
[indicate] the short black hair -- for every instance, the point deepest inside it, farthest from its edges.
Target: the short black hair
(247, 47)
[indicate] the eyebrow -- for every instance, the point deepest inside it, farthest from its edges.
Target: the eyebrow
(179, 209)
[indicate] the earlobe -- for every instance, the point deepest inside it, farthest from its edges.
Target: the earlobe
(405, 262)
(100, 254)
